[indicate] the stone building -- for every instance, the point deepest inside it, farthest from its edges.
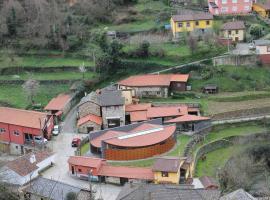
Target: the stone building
(89, 105)
(113, 108)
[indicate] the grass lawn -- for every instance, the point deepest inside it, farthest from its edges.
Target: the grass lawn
(235, 79)
(243, 129)
(85, 148)
(179, 150)
(14, 94)
(49, 76)
(43, 61)
(215, 160)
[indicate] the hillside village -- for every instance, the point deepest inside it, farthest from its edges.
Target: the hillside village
(134, 100)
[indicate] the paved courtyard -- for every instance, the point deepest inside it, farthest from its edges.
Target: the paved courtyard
(61, 145)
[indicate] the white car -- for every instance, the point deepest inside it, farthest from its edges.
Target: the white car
(38, 140)
(56, 130)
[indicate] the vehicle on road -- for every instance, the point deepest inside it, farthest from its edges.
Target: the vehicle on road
(40, 140)
(56, 130)
(76, 142)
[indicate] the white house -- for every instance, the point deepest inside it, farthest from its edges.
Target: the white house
(25, 168)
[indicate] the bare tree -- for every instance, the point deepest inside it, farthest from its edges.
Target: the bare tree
(31, 88)
(82, 69)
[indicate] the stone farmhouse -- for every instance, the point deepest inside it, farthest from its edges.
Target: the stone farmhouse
(154, 85)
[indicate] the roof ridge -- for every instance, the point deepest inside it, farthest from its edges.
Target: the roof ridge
(23, 110)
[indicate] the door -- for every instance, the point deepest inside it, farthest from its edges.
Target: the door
(236, 39)
(89, 129)
(72, 170)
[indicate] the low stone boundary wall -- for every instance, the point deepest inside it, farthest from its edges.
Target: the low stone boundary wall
(236, 60)
(228, 141)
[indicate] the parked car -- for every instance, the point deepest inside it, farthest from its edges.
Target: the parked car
(56, 130)
(40, 140)
(76, 142)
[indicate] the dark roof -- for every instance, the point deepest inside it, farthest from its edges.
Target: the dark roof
(210, 87)
(167, 164)
(111, 98)
(23, 166)
(192, 17)
(265, 5)
(52, 189)
(92, 97)
(236, 25)
(239, 194)
(208, 182)
(261, 42)
(165, 192)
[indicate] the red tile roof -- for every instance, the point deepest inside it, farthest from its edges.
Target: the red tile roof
(23, 166)
(166, 111)
(138, 107)
(126, 172)
(19, 117)
(153, 80)
(90, 117)
(59, 102)
(131, 139)
(138, 116)
(188, 118)
(86, 161)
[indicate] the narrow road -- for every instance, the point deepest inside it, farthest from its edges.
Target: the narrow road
(61, 146)
(243, 119)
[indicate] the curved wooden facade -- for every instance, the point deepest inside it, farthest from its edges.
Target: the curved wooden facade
(120, 153)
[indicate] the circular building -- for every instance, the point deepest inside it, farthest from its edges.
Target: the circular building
(142, 141)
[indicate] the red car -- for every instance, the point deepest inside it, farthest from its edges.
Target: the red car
(76, 142)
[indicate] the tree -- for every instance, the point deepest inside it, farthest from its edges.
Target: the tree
(144, 49)
(192, 43)
(217, 27)
(71, 196)
(256, 30)
(82, 69)
(12, 23)
(5, 193)
(31, 88)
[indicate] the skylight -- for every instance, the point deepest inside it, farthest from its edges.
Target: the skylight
(140, 133)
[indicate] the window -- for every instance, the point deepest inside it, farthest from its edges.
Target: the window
(224, 1)
(180, 25)
(234, 1)
(2, 130)
(224, 9)
(79, 170)
(268, 48)
(188, 24)
(197, 23)
(236, 32)
(158, 93)
(234, 8)
(16, 132)
(178, 84)
(229, 32)
(207, 22)
(247, 8)
(164, 174)
(246, 1)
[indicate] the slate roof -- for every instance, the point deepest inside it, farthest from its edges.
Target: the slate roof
(235, 25)
(239, 195)
(192, 17)
(26, 118)
(23, 166)
(167, 164)
(265, 5)
(208, 182)
(261, 42)
(54, 190)
(111, 98)
(165, 192)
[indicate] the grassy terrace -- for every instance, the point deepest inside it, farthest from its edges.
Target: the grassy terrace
(43, 61)
(14, 94)
(49, 76)
(210, 166)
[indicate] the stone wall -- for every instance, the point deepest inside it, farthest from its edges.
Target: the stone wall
(88, 108)
(83, 127)
(236, 60)
(161, 92)
(113, 112)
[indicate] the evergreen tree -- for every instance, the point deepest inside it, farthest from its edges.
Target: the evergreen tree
(11, 22)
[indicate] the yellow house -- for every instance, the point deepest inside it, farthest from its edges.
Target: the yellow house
(234, 30)
(191, 22)
(262, 9)
(171, 170)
